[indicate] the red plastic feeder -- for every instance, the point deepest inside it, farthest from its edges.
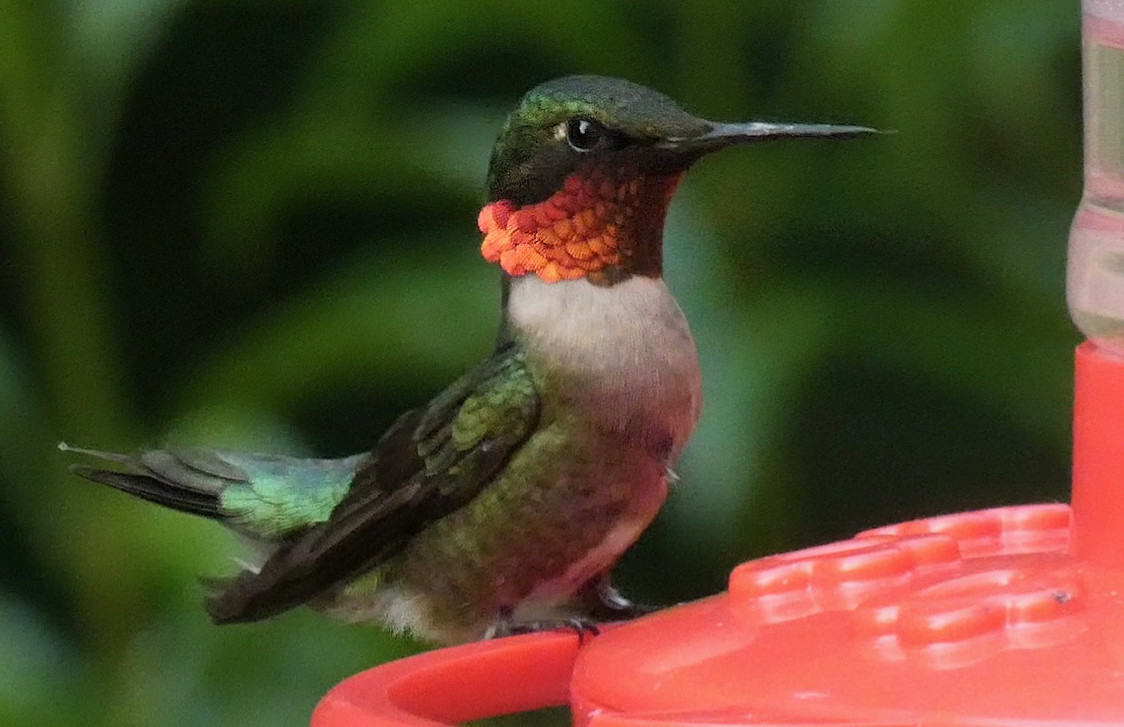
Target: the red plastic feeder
(1010, 616)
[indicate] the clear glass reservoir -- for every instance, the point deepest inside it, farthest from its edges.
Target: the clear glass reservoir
(1095, 279)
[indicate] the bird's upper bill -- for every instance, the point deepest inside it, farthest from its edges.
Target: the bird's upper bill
(583, 172)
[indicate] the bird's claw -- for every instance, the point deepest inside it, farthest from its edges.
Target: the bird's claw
(505, 626)
(607, 604)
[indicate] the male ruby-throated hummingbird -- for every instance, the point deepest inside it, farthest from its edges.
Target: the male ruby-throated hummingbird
(505, 501)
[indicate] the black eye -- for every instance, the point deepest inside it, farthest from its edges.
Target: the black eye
(583, 134)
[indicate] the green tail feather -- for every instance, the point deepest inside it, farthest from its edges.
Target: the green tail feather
(264, 496)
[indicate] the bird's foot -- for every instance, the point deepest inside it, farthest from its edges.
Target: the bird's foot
(505, 625)
(605, 603)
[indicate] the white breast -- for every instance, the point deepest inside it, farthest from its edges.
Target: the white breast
(624, 350)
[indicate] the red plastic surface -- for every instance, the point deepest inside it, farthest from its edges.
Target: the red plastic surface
(1098, 457)
(1011, 616)
(484, 679)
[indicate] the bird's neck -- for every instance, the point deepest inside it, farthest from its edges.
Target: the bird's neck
(603, 225)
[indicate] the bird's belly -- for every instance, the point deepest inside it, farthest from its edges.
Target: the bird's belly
(548, 597)
(561, 513)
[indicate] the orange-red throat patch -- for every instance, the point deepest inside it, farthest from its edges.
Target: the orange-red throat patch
(594, 225)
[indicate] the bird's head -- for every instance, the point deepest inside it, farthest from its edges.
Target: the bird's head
(584, 169)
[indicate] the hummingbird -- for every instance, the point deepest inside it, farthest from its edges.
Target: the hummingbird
(503, 504)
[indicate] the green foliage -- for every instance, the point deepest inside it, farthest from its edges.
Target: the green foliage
(251, 225)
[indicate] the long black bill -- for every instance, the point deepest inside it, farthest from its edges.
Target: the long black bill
(721, 135)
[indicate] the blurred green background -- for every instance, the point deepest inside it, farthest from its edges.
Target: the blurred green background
(252, 225)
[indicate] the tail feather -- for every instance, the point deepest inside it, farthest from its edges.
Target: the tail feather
(155, 478)
(198, 468)
(265, 497)
(154, 490)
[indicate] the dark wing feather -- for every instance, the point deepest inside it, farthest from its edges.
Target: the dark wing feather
(431, 462)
